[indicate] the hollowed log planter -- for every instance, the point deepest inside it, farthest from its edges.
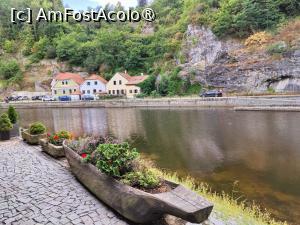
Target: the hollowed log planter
(4, 135)
(136, 205)
(32, 139)
(51, 149)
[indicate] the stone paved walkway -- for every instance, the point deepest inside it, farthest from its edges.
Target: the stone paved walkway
(35, 189)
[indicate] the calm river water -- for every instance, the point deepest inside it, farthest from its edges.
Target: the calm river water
(255, 155)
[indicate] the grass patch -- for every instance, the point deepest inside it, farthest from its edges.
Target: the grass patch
(226, 208)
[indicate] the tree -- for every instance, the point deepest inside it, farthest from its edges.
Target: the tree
(148, 85)
(12, 114)
(9, 70)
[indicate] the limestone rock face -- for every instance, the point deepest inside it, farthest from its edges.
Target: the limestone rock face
(228, 64)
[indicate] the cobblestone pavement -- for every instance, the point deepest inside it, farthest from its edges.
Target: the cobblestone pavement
(35, 189)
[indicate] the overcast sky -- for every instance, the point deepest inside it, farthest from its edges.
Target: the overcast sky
(83, 4)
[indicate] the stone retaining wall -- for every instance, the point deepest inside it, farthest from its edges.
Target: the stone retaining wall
(164, 102)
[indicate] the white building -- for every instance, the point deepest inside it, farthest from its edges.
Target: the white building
(93, 85)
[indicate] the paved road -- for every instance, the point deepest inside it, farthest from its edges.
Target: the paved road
(35, 189)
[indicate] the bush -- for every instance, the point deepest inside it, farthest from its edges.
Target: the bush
(5, 124)
(277, 48)
(37, 128)
(9, 70)
(8, 46)
(12, 114)
(115, 159)
(258, 39)
(144, 179)
(59, 137)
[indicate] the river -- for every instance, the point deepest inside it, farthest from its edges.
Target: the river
(251, 155)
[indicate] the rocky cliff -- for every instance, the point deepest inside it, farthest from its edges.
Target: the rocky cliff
(230, 65)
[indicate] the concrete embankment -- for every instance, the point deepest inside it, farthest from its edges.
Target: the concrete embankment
(165, 102)
(278, 109)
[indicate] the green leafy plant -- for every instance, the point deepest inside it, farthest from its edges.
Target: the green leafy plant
(142, 179)
(115, 159)
(5, 124)
(37, 128)
(277, 48)
(12, 114)
(59, 137)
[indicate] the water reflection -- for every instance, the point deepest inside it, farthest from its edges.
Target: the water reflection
(260, 150)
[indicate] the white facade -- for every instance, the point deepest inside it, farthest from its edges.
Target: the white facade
(92, 87)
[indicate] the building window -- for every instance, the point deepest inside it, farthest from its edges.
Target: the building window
(100, 90)
(135, 91)
(118, 92)
(120, 82)
(74, 90)
(114, 92)
(55, 92)
(88, 83)
(95, 91)
(88, 91)
(83, 91)
(115, 82)
(62, 82)
(66, 82)
(123, 92)
(64, 92)
(70, 91)
(130, 91)
(96, 82)
(109, 92)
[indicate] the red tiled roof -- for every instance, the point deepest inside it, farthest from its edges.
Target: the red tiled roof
(97, 77)
(126, 76)
(136, 80)
(70, 76)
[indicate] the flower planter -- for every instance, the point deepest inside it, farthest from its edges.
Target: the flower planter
(32, 139)
(15, 130)
(134, 204)
(4, 135)
(53, 150)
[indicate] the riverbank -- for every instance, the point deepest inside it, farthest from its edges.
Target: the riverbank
(227, 210)
(269, 101)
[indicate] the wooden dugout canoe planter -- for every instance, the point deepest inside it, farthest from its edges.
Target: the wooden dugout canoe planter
(51, 149)
(134, 204)
(32, 139)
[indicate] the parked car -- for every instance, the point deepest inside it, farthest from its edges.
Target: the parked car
(211, 93)
(48, 99)
(87, 97)
(38, 97)
(64, 98)
(23, 98)
(12, 98)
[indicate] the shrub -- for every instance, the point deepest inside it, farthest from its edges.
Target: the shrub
(277, 48)
(5, 124)
(115, 159)
(8, 46)
(258, 39)
(37, 128)
(59, 137)
(12, 114)
(144, 179)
